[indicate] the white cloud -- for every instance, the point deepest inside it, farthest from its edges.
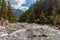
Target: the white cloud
(24, 8)
(17, 4)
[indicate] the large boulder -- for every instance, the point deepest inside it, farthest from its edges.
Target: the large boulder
(4, 22)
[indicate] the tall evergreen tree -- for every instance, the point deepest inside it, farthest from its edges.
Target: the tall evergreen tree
(56, 19)
(30, 13)
(28, 16)
(43, 19)
(4, 9)
(58, 8)
(10, 14)
(0, 5)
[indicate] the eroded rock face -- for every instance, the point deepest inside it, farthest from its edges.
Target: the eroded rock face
(25, 31)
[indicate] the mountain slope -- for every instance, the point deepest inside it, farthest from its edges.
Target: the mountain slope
(43, 12)
(17, 12)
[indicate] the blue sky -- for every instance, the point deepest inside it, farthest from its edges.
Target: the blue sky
(21, 4)
(29, 2)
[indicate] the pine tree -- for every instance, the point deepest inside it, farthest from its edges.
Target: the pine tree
(58, 8)
(0, 8)
(22, 17)
(31, 16)
(28, 16)
(56, 19)
(4, 9)
(58, 2)
(38, 6)
(0, 5)
(43, 19)
(6, 12)
(10, 14)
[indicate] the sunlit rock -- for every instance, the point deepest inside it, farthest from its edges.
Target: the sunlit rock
(26, 31)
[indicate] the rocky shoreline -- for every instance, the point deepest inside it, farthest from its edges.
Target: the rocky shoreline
(27, 31)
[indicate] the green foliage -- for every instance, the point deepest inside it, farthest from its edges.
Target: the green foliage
(43, 19)
(4, 9)
(28, 16)
(0, 5)
(43, 12)
(22, 18)
(10, 14)
(6, 12)
(56, 19)
(59, 3)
